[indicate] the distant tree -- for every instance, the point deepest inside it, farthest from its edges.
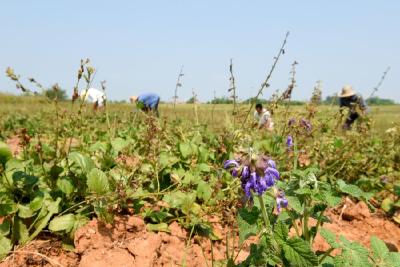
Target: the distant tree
(379, 101)
(253, 100)
(190, 101)
(55, 92)
(221, 100)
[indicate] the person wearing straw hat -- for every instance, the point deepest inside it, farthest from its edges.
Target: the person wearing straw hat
(146, 102)
(355, 102)
(93, 95)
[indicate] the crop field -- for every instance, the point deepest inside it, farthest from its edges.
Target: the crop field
(198, 186)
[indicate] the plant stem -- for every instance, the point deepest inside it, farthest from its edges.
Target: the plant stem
(296, 155)
(265, 83)
(264, 213)
(305, 221)
(326, 254)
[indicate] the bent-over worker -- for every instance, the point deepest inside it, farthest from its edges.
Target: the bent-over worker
(356, 104)
(147, 102)
(93, 95)
(263, 118)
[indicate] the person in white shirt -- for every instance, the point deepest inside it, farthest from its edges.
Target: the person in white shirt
(263, 118)
(93, 95)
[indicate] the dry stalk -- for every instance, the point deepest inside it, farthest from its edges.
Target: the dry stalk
(265, 83)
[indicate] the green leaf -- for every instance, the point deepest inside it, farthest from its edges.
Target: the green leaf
(191, 178)
(298, 253)
(102, 211)
(166, 160)
(63, 223)
(350, 189)
(381, 252)
(20, 231)
(5, 153)
(80, 221)
(85, 163)
(119, 144)
(160, 227)
(387, 204)
(247, 221)
(7, 205)
(204, 191)
(203, 167)
(295, 204)
(329, 237)
(24, 181)
(49, 208)
(353, 254)
(281, 232)
(65, 185)
(187, 149)
(97, 182)
(25, 211)
(5, 228)
(393, 259)
(5, 246)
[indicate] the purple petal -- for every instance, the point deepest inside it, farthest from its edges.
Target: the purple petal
(246, 172)
(273, 172)
(247, 188)
(289, 141)
(269, 179)
(230, 163)
(271, 163)
(235, 172)
(281, 202)
(262, 186)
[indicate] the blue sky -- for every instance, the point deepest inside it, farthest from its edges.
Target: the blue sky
(139, 46)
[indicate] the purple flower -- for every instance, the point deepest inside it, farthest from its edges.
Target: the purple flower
(231, 163)
(292, 122)
(384, 179)
(256, 178)
(289, 142)
(306, 124)
(281, 201)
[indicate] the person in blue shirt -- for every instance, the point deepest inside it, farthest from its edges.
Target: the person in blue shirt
(147, 102)
(356, 104)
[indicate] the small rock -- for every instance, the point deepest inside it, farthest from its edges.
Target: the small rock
(356, 212)
(135, 223)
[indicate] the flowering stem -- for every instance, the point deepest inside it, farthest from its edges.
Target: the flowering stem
(305, 221)
(264, 213)
(296, 156)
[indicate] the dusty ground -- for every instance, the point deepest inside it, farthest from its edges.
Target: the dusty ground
(128, 243)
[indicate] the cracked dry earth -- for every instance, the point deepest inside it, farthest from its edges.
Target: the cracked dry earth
(127, 243)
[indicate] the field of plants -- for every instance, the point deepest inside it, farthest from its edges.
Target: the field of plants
(199, 186)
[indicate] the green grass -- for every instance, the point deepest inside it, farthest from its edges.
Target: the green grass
(214, 116)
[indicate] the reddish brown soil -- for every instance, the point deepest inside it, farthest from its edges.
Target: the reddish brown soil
(128, 243)
(356, 223)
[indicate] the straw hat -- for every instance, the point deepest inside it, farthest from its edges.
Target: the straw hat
(133, 99)
(347, 91)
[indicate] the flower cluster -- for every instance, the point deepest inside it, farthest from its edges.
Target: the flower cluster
(302, 123)
(306, 124)
(257, 177)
